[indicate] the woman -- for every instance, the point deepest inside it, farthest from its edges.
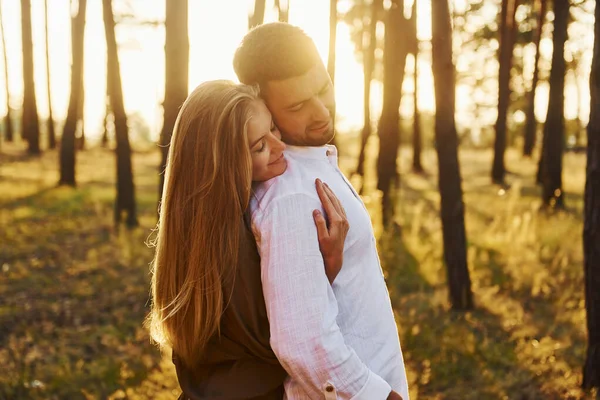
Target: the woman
(208, 304)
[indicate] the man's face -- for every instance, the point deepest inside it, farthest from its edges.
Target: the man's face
(302, 107)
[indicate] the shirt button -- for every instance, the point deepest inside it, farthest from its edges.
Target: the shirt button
(329, 388)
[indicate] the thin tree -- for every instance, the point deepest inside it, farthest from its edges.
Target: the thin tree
(125, 201)
(176, 73)
(505, 55)
(591, 230)
(550, 169)
(449, 180)
(8, 135)
(417, 140)
(531, 123)
(368, 68)
(283, 10)
(30, 125)
(258, 16)
(50, 122)
(107, 113)
(80, 126)
(67, 140)
(394, 59)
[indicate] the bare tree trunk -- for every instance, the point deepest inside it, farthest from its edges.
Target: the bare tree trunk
(176, 73)
(394, 59)
(50, 122)
(283, 9)
(30, 125)
(368, 66)
(80, 116)
(333, 19)
(554, 131)
(8, 135)
(507, 39)
(104, 140)
(449, 180)
(591, 230)
(417, 142)
(531, 124)
(67, 140)
(125, 188)
(258, 16)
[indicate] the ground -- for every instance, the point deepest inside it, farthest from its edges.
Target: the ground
(74, 290)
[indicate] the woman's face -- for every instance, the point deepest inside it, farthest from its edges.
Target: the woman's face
(265, 144)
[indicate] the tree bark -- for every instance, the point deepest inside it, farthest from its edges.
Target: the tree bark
(368, 66)
(125, 201)
(67, 140)
(449, 180)
(30, 125)
(507, 39)
(283, 9)
(554, 132)
(258, 16)
(394, 59)
(8, 133)
(531, 124)
(417, 141)
(176, 73)
(591, 230)
(50, 122)
(80, 138)
(333, 19)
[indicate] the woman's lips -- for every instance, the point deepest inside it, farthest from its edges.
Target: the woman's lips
(277, 160)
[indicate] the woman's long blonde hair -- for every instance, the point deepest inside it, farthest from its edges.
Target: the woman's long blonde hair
(207, 188)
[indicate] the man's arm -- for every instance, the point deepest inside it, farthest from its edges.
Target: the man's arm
(302, 308)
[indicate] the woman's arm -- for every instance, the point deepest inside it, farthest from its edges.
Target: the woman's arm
(332, 232)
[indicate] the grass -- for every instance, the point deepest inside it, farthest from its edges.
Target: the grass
(74, 292)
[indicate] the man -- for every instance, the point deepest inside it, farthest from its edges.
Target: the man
(336, 341)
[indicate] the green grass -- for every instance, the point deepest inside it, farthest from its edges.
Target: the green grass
(74, 293)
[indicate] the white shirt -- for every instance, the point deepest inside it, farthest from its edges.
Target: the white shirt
(336, 341)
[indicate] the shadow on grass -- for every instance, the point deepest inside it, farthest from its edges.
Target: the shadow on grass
(472, 355)
(73, 298)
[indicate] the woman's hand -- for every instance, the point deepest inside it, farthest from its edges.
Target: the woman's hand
(332, 233)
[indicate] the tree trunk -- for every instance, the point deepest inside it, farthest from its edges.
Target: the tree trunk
(80, 117)
(553, 143)
(283, 9)
(417, 142)
(104, 140)
(507, 39)
(258, 16)
(333, 19)
(531, 124)
(50, 122)
(67, 140)
(125, 189)
(30, 125)
(177, 50)
(394, 59)
(368, 66)
(8, 133)
(449, 180)
(591, 230)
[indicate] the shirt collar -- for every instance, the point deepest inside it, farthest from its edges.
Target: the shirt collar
(314, 152)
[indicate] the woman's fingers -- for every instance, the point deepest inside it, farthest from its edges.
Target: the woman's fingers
(322, 231)
(333, 198)
(328, 205)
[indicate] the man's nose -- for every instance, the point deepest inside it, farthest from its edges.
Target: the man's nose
(321, 111)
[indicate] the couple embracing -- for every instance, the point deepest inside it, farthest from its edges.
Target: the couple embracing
(266, 281)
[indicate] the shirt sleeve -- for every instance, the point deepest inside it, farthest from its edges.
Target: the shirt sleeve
(302, 308)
